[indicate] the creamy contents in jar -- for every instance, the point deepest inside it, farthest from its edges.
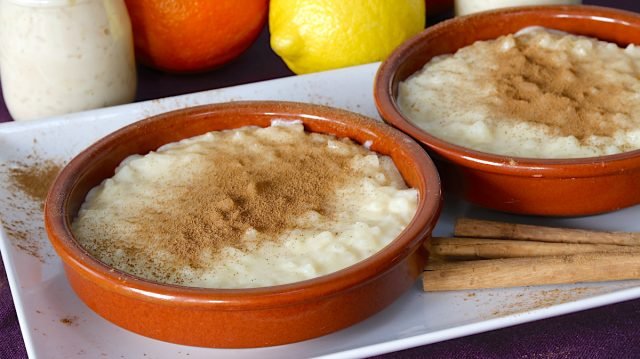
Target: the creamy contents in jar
(537, 94)
(61, 56)
(248, 207)
(465, 7)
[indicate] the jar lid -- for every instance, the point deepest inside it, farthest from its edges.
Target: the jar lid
(46, 3)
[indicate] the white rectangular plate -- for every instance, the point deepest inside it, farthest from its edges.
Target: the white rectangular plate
(44, 299)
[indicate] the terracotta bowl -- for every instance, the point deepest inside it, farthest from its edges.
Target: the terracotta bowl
(559, 187)
(244, 317)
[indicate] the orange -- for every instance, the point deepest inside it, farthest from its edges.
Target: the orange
(194, 35)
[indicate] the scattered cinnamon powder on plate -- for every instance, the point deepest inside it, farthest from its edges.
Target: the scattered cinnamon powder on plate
(69, 320)
(545, 298)
(34, 179)
(28, 181)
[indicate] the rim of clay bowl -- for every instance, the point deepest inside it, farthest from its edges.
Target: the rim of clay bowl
(385, 97)
(429, 202)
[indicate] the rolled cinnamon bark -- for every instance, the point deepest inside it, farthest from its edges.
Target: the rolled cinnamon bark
(466, 227)
(482, 248)
(513, 272)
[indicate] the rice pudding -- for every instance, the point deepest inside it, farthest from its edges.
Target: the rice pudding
(248, 207)
(538, 93)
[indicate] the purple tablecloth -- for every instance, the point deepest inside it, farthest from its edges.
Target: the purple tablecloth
(608, 332)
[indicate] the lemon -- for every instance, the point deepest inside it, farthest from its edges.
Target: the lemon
(318, 35)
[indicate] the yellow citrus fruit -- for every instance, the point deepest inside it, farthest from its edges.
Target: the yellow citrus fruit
(318, 35)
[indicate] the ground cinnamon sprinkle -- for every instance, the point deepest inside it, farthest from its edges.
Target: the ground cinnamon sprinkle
(241, 190)
(28, 180)
(538, 85)
(34, 179)
(535, 300)
(69, 321)
(244, 192)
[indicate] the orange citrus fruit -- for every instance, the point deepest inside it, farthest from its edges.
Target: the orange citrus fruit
(194, 35)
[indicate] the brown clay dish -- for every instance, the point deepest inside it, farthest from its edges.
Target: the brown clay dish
(246, 317)
(561, 187)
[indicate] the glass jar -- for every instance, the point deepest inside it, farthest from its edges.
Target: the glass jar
(464, 7)
(61, 56)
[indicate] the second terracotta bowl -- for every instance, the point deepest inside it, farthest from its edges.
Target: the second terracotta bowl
(518, 185)
(242, 317)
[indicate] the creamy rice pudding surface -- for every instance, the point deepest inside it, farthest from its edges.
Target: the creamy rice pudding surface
(242, 208)
(538, 93)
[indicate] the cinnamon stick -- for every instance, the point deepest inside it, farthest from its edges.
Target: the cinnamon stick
(512, 272)
(466, 227)
(481, 248)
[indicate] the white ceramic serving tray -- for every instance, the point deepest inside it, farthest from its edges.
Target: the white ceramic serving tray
(56, 324)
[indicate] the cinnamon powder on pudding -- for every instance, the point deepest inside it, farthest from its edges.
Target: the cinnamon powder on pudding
(240, 190)
(245, 208)
(244, 192)
(539, 85)
(538, 93)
